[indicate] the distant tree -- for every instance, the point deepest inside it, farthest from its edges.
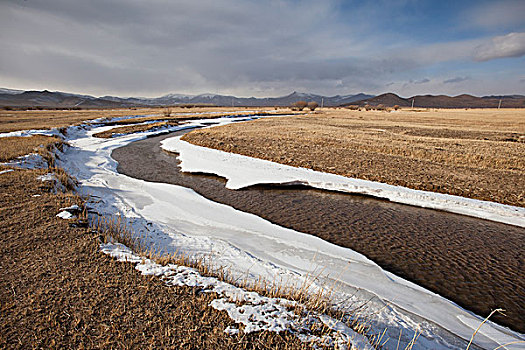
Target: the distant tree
(368, 107)
(312, 105)
(167, 112)
(396, 107)
(380, 107)
(299, 105)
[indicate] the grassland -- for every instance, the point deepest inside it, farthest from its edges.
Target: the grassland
(475, 153)
(57, 291)
(12, 147)
(48, 119)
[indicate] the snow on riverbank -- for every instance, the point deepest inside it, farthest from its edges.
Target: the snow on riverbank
(29, 161)
(27, 133)
(172, 218)
(242, 171)
(255, 312)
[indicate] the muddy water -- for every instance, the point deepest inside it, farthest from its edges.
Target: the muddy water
(476, 263)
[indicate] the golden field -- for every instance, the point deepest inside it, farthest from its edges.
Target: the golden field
(476, 153)
(47, 119)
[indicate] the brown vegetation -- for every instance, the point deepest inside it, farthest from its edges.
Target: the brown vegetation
(134, 128)
(476, 153)
(299, 105)
(136, 124)
(312, 105)
(12, 147)
(48, 119)
(58, 291)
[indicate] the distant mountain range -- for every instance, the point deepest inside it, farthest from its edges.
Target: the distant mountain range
(48, 99)
(443, 101)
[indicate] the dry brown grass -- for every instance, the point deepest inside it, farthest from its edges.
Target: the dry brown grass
(57, 291)
(13, 147)
(167, 120)
(472, 153)
(133, 129)
(115, 229)
(47, 119)
(184, 116)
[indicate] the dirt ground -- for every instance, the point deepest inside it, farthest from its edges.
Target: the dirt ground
(475, 153)
(58, 291)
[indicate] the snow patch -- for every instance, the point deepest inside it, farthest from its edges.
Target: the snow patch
(29, 161)
(69, 212)
(27, 133)
(66, 215)
(254, 311)
(73, 208)
(231, 330)
(47, 177)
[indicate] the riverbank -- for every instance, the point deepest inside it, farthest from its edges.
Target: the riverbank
(477, 154)
(59, 291)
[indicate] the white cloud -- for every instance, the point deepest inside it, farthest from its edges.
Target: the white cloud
(510, 45)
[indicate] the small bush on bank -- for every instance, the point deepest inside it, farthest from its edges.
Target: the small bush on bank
(312, 105)
(299, 105)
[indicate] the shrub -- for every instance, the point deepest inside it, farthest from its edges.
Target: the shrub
(299, 105)
(353, 107)
(368, 107)
(396, 107)
(167, 112)
(380, 107)
(312, 105)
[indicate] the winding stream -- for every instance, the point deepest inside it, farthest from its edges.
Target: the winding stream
(476, 263)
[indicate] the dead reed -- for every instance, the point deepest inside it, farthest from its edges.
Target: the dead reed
(13, 147)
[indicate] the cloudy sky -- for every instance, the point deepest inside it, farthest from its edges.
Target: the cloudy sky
(263, 47)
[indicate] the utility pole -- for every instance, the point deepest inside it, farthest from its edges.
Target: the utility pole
(499, 104)
(413, 102)
(322, 102)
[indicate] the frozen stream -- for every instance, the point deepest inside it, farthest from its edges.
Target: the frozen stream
(173, 218)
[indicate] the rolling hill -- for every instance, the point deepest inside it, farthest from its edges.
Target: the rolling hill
(48, 99)
(443, 101)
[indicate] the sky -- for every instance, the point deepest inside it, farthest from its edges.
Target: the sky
(263, 47)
